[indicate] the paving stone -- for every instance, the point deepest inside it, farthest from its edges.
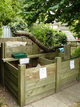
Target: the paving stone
(76, 88)
(68, 96)
(49, 102)
(27, 106)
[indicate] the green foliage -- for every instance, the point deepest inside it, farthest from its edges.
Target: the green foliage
(47, 35)
(75, 52)
(65, 11)
(44, 33)
(19, 24)
(1, 30)
(60, 38)
(8, 10)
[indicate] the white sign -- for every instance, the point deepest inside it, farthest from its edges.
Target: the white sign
(24, 61)
(72, 64)
(42, 73)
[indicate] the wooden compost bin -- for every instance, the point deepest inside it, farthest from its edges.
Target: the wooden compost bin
(6, 52)
(26, 83)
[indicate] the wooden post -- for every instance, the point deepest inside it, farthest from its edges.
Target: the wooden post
(67, 52)
(5, 50)
(58, 71)
(79, 67)
(21, 84)
(2, 64)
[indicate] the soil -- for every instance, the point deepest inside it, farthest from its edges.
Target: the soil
(7, 99)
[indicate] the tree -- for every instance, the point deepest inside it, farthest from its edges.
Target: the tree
(8, 10)
(66, 11)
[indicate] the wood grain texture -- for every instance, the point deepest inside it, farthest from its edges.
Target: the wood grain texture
(44, 61)
(39, 96)
(11, 68)
(36, 84)
(21, 84)
(10, 82)
(39, 90)
(11, 75)
(58, 74)
(33, 73)
(20, 49)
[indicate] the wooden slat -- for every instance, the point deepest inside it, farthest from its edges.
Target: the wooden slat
(33, 73)
(70, 73)
(67, 63)
(69, 79)
(44, 61)
(40, 83)
(11, 89)
(15, 87)
(39, 90)
(39, 96)
(12, 69)
(68, 84)
(20, 49)
(67, 69)
(11, 76)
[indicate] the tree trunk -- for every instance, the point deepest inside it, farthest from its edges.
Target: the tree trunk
(31, 36)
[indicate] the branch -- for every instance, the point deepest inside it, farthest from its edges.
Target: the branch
(32, 37)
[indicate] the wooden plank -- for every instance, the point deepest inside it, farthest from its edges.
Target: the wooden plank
(11, 83)
(39, 90)
(33, 73)
(69, 79)
(58, 73)
(67, 63)
(67, 69)
(11, 68)
(39, 96)
(44, 61)
(11, 76)
(68, 84)
(40, 83)
(9, 59)
(70, 73)
(32, 56)
(11, 89)
(20, 49)
(21, 84)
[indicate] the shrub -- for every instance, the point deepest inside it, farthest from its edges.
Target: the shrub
(76, 52)
(44, 33)
(60, 38)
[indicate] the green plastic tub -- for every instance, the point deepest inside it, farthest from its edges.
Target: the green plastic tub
(19, 55)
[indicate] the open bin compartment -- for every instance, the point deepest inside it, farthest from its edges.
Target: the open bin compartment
(26, 82)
